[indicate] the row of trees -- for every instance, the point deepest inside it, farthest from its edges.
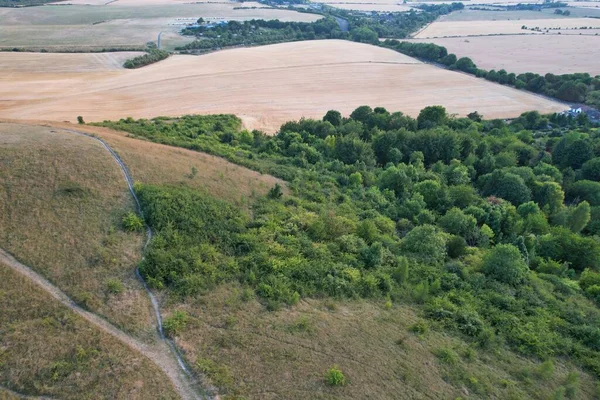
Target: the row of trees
(151, 57)
(577, 88)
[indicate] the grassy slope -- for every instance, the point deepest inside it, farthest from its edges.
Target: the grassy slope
(285, 354)
(62, 198)
(159, 164)
(45, 349)
(246, 350)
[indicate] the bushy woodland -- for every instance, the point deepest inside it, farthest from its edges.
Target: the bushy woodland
(491, 227)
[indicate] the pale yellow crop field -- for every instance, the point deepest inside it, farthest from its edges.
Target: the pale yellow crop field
(370, 5)
(379, 7)
(584, 4)
(559, 54)
(265, 86)
(505, 27)
(64, 62)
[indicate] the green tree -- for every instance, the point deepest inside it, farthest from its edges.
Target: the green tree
(275, 192)
(364, 35)
(590, 170)
(432, 116)
(563, 245)
(333, 117)
(456, 222)
(505, 185)
(549, 195)
(580, 217)
(425, 243)
(586, 190)
(465, 64)
(356, 179)
(505, 263)
(335, 377)
(362, 114)
(350, 150)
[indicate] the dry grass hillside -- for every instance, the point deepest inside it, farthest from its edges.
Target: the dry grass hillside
(213, 175)
(47, 350)
(62, 199)
(258, 354)
(265, 86)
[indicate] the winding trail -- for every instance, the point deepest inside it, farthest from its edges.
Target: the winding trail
(164, 353)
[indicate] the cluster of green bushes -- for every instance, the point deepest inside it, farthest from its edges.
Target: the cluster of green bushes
(578, 88)
(151, 57)
(362, 28)
(491, 227)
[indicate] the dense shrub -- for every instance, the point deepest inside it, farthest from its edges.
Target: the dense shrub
(335, 377)
(132, 222)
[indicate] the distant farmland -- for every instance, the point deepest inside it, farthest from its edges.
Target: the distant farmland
(89, 27)
(265, 86)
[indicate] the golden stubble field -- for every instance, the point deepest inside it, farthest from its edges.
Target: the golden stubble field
(510, 27)
(559, 54)
(265, 86)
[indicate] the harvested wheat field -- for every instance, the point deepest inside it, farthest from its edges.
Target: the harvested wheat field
(584, 4)
(65, 62)
(506, 27)
(372, 7)
(535, 53)
(265, 86)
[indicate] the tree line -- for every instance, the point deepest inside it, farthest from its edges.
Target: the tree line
(151, 57)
